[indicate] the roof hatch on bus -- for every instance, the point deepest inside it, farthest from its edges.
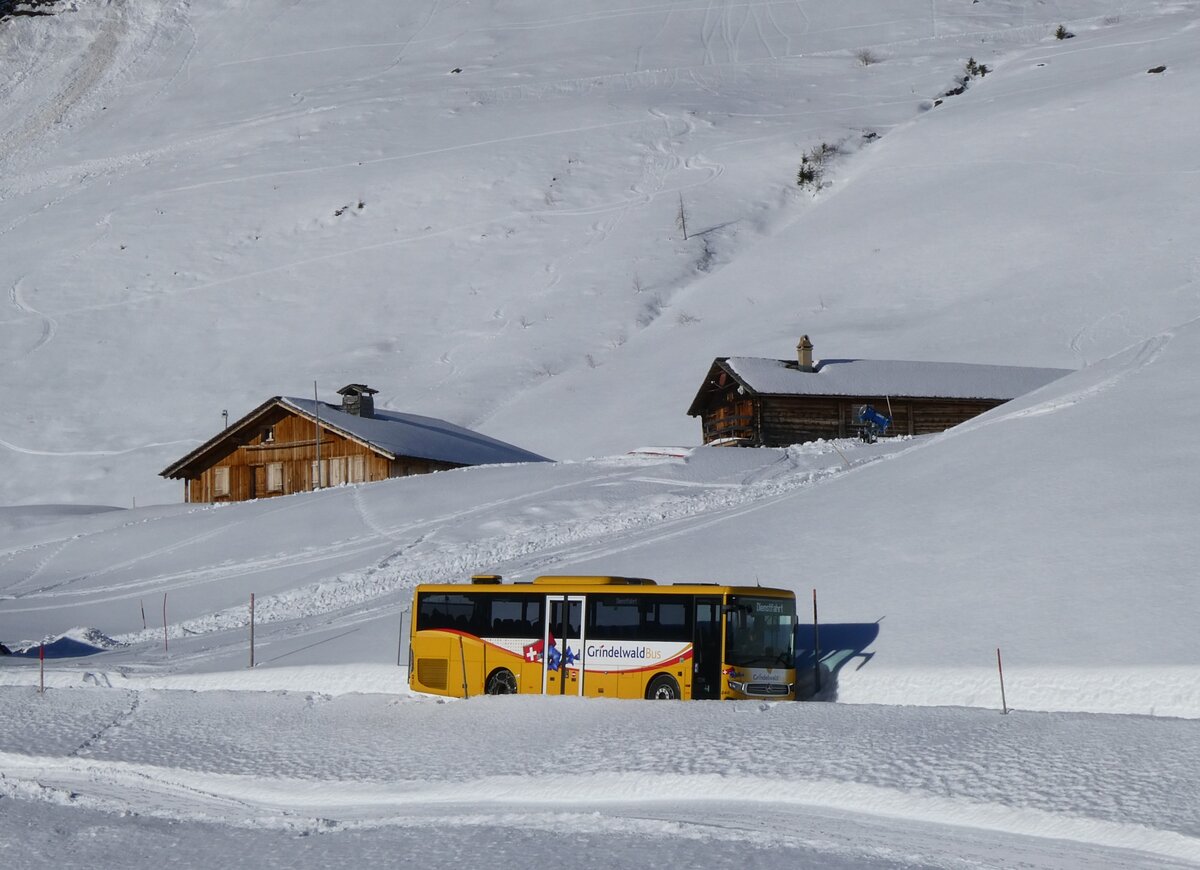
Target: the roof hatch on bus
(572, 580)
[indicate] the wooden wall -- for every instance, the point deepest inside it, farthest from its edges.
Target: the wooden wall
(278, 460)
(778, 421)
(735, 418)
(931, 416)
(792, 420)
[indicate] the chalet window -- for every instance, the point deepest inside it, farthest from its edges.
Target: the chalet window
(268, 435)
(220, 481)
(337, 471)
(275, 477)
(324, 478)
(358, 469)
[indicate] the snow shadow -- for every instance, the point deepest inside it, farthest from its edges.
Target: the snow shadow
(841, 644)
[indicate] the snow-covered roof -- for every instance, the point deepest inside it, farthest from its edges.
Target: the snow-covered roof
(388, 432)
(877, 377)
(413, 435)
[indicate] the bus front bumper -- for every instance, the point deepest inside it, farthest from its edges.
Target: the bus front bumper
(778, 691)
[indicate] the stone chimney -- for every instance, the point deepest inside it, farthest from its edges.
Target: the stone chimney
(356, 400)
(804, 354)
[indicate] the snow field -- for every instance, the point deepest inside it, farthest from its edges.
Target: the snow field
(386, 762)
(197, 206)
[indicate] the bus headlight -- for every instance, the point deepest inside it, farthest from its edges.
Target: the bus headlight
(737, 687)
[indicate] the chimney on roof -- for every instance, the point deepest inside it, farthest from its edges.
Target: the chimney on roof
(804, 354)
(356, 400)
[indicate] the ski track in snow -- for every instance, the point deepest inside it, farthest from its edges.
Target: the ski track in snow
(678, 508)
(60, 588)
(759, 776)
(88, 71)
(49, 326)
(121, 718)
(184, 69)
(712, 170)
(465, 146)
(16, 448)
(529, 549)
(51, 596)
(1146, 355)
(258, 802)
(42, 564)
(155, 754)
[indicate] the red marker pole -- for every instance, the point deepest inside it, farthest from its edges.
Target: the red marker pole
(252, 629)
(42, 669)
(164, 622)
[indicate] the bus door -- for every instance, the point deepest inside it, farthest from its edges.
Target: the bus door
(562, 645)
(706, 649)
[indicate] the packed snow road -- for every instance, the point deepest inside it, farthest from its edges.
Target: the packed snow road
(516, 780)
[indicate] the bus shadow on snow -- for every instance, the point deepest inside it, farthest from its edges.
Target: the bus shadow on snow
(841, 644)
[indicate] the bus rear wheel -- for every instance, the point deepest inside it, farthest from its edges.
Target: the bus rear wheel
(501, 682)
(663, 688)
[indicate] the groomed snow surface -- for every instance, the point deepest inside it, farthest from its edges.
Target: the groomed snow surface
(205, 205)
(131, 778)
(320, 754)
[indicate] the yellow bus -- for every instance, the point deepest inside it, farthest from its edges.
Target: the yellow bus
(612, 637)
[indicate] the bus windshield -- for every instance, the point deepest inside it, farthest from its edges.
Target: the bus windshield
(760, 632)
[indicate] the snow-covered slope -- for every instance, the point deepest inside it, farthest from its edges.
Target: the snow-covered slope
(472, 207)
(202, 207)
(927, 554)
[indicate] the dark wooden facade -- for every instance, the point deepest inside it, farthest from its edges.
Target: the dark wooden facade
(275, 449)
(732, 413)
(281, 458)
(274, 452)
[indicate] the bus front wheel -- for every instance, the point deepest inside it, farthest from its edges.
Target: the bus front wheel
(501, 682)
(663, 688)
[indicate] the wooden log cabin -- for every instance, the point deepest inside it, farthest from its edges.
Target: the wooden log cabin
(756, 402)
(275, 449)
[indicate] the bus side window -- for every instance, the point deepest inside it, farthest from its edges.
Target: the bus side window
(429, 615)
(665, 619)
(533, 618)
(612, 617)
(514, 615)
(458, 612)
(572, 617)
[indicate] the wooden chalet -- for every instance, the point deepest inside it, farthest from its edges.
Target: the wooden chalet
(288, 445)
(759, 402)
